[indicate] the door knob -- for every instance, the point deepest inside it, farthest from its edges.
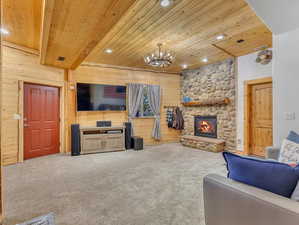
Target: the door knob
(26, 125)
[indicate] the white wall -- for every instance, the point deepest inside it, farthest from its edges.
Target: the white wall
(279, 15)
(248, 69)
(286, 84)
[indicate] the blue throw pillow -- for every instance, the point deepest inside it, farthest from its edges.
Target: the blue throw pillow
(293, 136)
(278, 178)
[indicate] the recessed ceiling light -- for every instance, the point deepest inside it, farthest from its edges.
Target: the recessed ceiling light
(165, 3)
(184, 66)
(4, 31)
(205, 60)
(220, 37)
(108, 51)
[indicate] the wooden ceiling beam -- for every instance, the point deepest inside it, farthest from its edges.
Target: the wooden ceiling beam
(48, 9)
(72, 28)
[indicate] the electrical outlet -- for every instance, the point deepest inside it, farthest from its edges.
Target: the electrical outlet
(239, 141)
(16, 116)
(289, 115)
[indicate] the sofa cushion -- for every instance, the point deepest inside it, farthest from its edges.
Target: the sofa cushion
(289, 152)
(293, 136)
(276, 177)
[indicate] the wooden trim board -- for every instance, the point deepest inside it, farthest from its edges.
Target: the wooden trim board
(21, 48)
(247, 96)
(124, 68)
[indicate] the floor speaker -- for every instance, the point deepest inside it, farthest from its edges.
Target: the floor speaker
(75, 139)
(128, 134)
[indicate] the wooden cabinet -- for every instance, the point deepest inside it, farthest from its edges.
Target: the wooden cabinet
(102, 139)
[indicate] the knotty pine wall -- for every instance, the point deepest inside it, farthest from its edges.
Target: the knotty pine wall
(170, 84)
(21, 65)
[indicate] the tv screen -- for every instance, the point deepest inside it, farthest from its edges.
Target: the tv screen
(99, 97)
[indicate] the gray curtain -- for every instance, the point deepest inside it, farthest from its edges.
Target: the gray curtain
(154, 96)
(135, 98)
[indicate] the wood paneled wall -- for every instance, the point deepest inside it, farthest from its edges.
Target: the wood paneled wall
(1, 178)
(170, 84)
(19, 66)
(23, 66)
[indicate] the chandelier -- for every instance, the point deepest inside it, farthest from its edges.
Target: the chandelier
(159, 58)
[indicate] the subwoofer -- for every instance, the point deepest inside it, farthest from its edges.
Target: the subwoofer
(75, 139)
(128, 134)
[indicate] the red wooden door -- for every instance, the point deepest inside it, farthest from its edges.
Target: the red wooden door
(41, 120)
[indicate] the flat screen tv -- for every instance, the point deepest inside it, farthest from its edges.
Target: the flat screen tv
(99, 97)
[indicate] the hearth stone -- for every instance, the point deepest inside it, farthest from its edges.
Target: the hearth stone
(203, 143)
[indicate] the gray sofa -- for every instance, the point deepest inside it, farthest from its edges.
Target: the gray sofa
(228, 202)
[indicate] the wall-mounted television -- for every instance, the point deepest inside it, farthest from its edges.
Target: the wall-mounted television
(100, 97)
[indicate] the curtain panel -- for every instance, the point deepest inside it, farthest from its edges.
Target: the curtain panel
(135, 99)
(154, 95)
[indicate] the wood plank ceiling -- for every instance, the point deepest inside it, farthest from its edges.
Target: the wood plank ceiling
(82, 30)
(22, 18)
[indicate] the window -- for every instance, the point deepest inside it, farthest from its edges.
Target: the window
(145, 109)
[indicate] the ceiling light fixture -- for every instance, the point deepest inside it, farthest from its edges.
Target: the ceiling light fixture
(184, 66)
(205, 60)
(4, 31)
(160, 58)
(166, 3)
(108, 51)
(220, 37)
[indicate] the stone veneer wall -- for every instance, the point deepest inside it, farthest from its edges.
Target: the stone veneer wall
(208, 82)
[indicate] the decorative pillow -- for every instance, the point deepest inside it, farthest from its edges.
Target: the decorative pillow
(295, 195)
(289, 152)
(276, 177)
(293, 136)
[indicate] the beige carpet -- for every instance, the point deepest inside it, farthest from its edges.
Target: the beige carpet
(161, 185)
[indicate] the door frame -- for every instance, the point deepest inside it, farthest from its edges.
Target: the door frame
(247, 108)
(60, 86)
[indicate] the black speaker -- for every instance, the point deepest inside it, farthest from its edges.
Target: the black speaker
(104, 123)
(137, 143)
(75, 139)
(128, 135)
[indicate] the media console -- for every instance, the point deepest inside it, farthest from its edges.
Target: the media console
(102, 139)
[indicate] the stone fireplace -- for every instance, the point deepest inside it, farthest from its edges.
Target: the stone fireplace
(205, 126)
(210, 127)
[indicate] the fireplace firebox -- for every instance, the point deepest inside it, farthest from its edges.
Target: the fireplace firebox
(205, 126)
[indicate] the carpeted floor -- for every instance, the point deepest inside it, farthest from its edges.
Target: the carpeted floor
(161, 185)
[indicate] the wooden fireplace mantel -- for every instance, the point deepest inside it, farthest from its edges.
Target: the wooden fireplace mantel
(209, 102)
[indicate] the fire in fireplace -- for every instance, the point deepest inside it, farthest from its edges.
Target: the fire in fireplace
(205, 126)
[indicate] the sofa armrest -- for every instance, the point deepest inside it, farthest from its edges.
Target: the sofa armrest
(228, 202)
(272, 152)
